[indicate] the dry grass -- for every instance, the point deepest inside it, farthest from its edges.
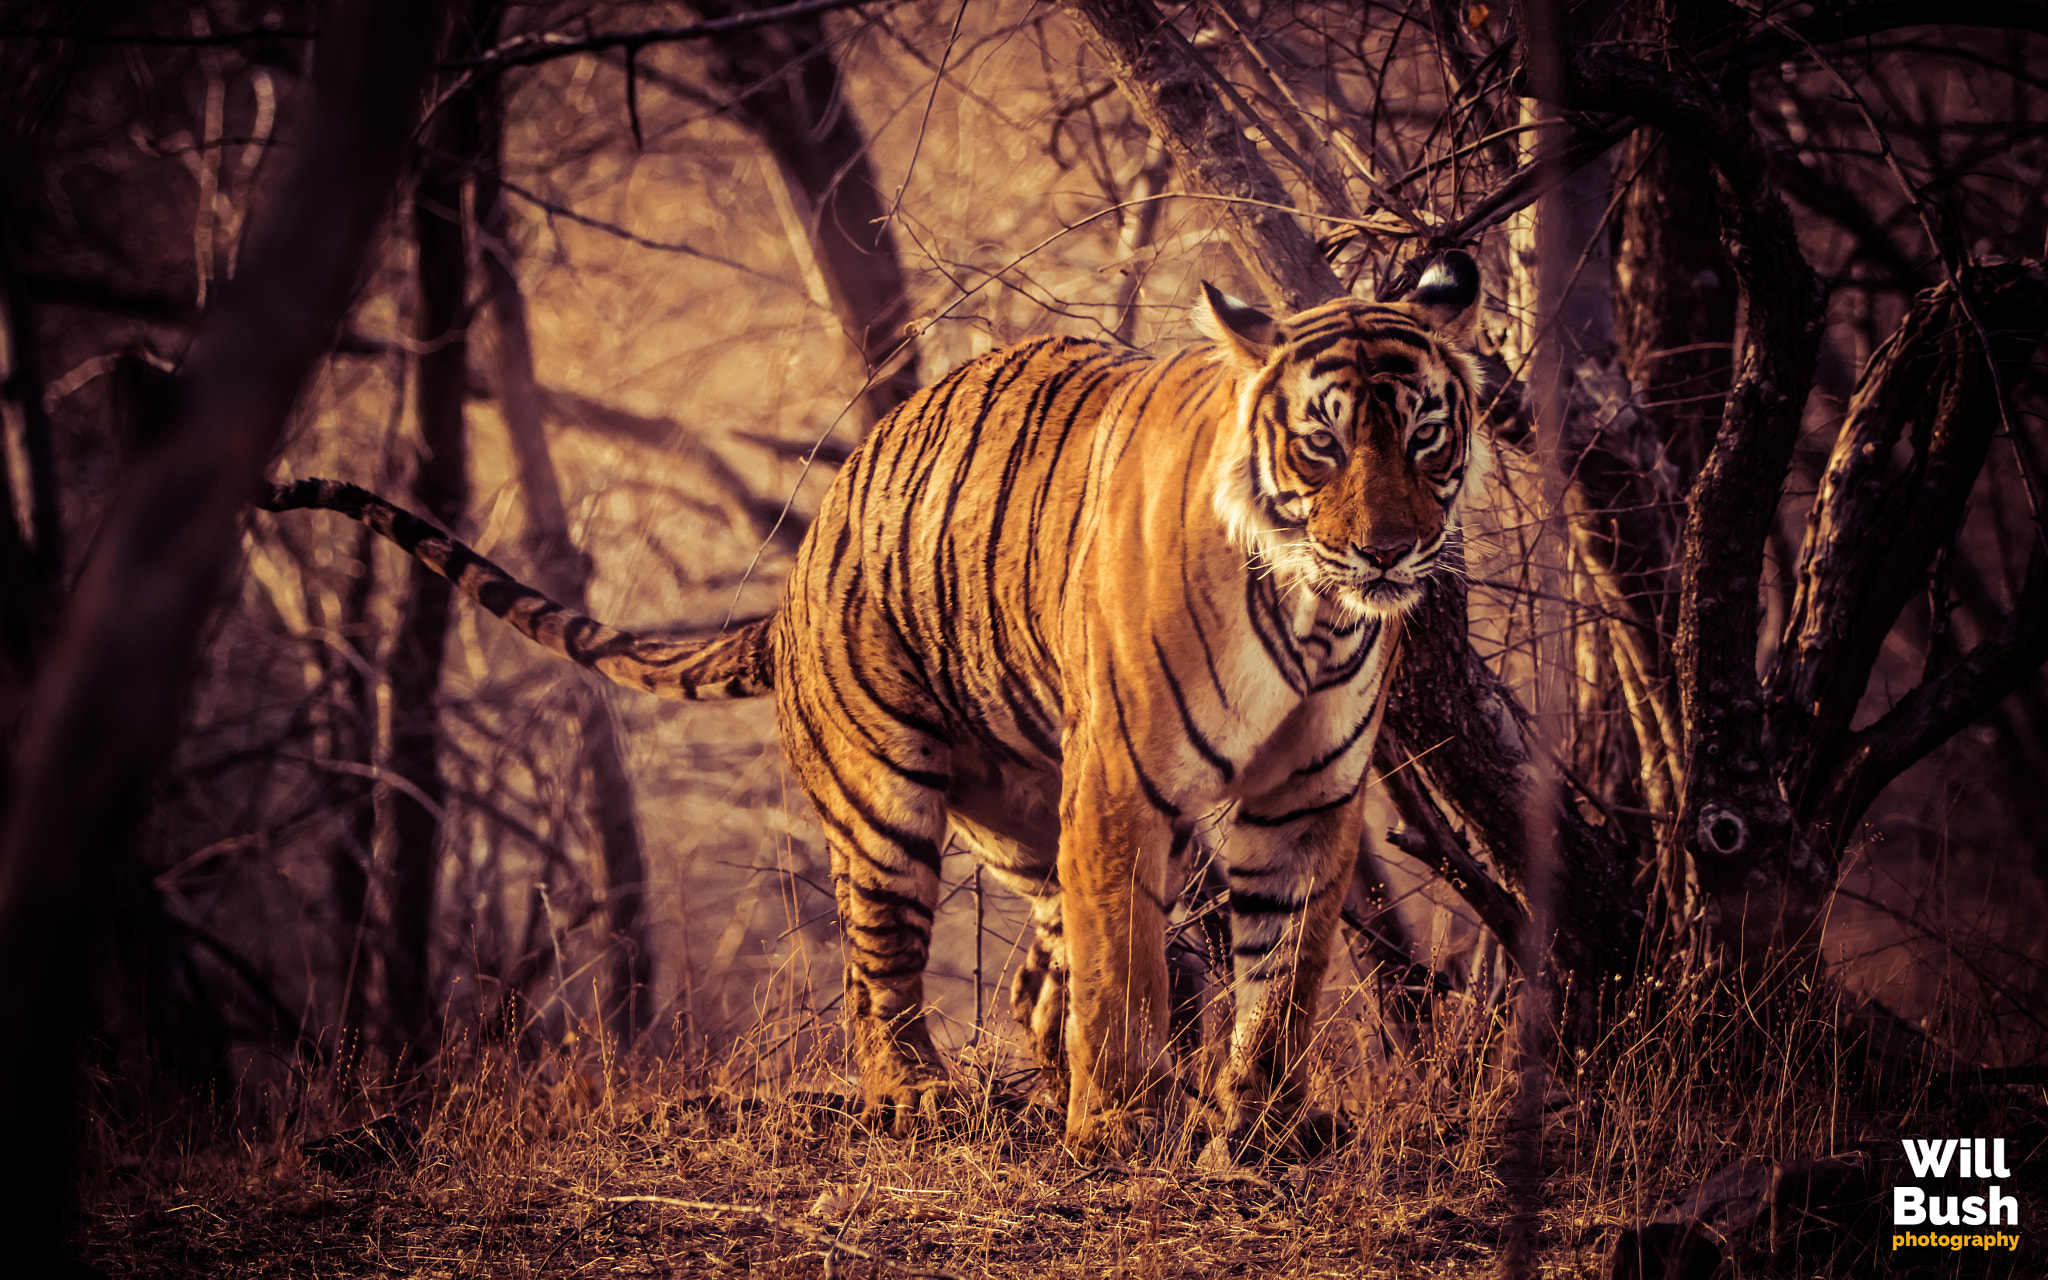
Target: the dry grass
(575, 1164)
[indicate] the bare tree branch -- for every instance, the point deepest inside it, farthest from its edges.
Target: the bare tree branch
(526, 50)
(15, 31)
(1174, 94)
(1884, 514)
(1832, 24)
(1941, 708)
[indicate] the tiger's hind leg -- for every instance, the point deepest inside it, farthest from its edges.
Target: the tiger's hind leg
(886, 884)
(879, 791)
(1038, 998)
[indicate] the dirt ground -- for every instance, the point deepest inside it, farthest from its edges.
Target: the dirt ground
(509, 1169)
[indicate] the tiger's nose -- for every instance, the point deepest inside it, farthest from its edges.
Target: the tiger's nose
(1383, 553)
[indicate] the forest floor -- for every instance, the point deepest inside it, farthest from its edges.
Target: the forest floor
(504, 1168)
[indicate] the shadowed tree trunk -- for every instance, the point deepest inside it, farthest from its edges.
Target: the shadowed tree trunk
(31, 568)
(343, 722)
(1918, 430)
(352, 737)
(1639, 428)
(92, 744)
(440, 486)
(1773, 779)
(1734, 832)
(788, 92)
(563, 572)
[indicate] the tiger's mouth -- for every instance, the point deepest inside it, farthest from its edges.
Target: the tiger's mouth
(1381, 597)
(1378, 593)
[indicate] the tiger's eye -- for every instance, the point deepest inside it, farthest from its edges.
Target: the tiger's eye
(1425, 432)
(1320, 440)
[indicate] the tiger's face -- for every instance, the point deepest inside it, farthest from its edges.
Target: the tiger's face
(1357, 444)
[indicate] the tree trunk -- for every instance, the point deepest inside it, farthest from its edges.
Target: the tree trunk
(789, 95)
(1918, 430)
(441, 486)
(352, 737)
(1758, 881)
(31, 568)
(563, 572)
(93, 745)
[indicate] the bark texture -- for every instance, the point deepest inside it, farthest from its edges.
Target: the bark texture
(1918, 430)
(1758, 881)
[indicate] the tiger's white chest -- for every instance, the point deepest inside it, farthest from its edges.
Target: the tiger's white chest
(1301, 696)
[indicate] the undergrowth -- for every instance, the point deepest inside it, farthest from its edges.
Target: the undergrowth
(578, 1162)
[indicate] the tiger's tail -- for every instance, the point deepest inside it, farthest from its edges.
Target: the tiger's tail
(734, 665)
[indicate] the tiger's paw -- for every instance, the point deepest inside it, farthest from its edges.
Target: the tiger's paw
(1266, 1139)
(902, 1107)
(1117, 1135)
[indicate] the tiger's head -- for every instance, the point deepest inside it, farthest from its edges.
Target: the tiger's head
(1356, 443)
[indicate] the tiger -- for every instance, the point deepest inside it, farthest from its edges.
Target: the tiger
(1084, 610)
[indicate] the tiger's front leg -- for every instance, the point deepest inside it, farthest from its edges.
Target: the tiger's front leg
(1290, 858)
(1115, 849)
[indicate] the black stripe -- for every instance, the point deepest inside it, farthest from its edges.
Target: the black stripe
(922, 850)
(878, 896)
(1280, 820)
(1188, 593)
(1343, 671)
(1337, 752)
(1200, 740)
(1279, 646)
(1145, 784)
(1318, 340)
(1002, 621)
(856, 602)
(910, 970)
(1049, 476)
(1400, 337)
(1261, 904)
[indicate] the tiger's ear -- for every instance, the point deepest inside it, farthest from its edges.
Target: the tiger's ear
(1446, 300)
(1246, 333)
